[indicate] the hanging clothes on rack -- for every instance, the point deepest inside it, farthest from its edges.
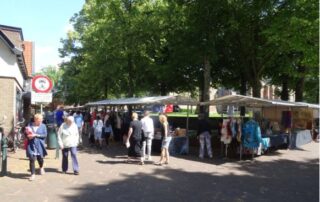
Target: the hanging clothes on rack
(239, 130)
(286, 119)
(226, 132)
(251, 135)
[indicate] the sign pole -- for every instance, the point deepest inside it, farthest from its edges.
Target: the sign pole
(41, 109)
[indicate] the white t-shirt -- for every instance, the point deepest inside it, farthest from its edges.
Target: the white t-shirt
(147, 124)
(97, 125)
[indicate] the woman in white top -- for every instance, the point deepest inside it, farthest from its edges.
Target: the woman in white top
(68, 138)
(97, 126)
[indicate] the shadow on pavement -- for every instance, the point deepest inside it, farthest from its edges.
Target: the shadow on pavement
(52, 170)
(18, 175)
(117, 150)
(281, 180)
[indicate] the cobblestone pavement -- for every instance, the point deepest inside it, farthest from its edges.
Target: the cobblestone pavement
(283, 175)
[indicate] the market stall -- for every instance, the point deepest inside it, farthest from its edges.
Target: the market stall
(179, 143)
(278, 122)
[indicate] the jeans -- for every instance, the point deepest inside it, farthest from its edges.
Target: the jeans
(146, 144)
(205, 139)
(32, 163)
(75, 165)
(80, 135)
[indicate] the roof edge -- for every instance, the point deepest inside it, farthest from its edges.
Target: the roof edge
(11, 28)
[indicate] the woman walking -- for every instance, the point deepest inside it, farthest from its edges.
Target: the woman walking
(134, 139)
(68, 138)
(97, 127)
(166, 139)
(107, 129)
(36, 134)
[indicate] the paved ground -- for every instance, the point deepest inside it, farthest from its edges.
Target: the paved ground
(284, 175)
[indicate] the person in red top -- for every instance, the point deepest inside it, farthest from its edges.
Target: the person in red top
(93, 117)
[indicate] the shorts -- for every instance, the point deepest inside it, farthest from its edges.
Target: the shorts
(97, 135)
(166, 142)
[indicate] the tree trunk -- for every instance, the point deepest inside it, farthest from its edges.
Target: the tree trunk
(256, 88)
(285, 88)
(163, 89)
(243, 91)
(300, 84)
(131, 76)
(206, 86)
(106, 89)
(200, 108)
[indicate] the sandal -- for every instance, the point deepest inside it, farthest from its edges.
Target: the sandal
(158, 163)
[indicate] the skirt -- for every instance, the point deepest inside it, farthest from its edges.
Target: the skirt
(135, 149)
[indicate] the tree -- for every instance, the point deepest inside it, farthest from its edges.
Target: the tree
(294, 34)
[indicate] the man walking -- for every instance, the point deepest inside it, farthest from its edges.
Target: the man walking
(204, 136)
(148, 131)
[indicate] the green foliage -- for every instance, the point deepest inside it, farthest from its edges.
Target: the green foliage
(146, 47)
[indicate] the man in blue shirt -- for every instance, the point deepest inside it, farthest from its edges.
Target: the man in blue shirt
(59, 116)
(78, 119)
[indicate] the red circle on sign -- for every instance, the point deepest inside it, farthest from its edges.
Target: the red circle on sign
(46, 84)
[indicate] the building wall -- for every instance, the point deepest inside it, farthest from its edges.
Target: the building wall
(8, 64)
(7, 102)
(28, 54)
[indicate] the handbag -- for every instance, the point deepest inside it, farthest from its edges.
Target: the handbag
(25, 144)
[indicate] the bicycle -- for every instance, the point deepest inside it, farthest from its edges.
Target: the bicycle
(17, 138)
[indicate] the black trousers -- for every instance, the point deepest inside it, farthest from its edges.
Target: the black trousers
(117, 134)
(107, 136)
(32, 163)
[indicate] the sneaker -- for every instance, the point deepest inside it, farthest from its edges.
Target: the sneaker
(141, 163)
(76, 172)
(32, 177)
(42, 172)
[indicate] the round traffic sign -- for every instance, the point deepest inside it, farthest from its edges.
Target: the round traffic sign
(41, 84)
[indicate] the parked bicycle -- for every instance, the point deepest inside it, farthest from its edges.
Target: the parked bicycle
(15, 140)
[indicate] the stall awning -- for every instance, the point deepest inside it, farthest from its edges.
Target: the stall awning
(241, 100)
(73, 108)
(145, 101)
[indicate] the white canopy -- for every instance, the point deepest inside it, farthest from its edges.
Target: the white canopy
(241, 100)
(145, 101)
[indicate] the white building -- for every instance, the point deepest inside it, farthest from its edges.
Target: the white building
(13, 74)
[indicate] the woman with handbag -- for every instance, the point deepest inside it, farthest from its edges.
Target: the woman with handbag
(36, 134)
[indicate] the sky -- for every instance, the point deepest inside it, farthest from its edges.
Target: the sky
(44, 22)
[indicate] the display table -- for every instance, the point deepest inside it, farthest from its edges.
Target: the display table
(178, 145)
(277, 140)
(299, 138)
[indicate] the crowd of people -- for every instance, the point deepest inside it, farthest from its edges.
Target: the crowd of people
(99, 128)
